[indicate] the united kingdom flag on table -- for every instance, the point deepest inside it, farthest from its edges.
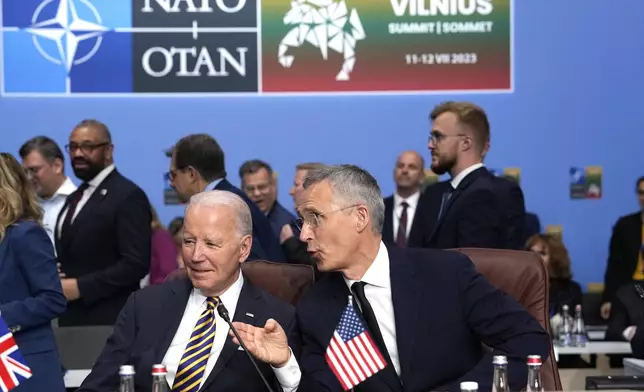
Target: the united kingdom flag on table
(352, 354)
(13, 369)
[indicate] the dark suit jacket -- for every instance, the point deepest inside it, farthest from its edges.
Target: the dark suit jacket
(532, 225)
(443, 310)
(627, 310)
(266, 245)
(388, 235)
(107, 249)
(625, 245)
(485, 211)
(149, 321)
(30, 297)
(278, 217)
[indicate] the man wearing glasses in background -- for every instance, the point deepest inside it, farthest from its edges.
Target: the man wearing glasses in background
(102, 233)
(474, 208)
(45, 166)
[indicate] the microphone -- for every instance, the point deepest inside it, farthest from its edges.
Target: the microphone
(223, 313)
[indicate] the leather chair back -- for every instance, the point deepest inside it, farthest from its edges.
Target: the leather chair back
(288, 282)
(523, 276)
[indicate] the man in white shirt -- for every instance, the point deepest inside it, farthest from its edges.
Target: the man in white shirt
(44, 163)
(178, 325)
(401, 207)
(427, 311)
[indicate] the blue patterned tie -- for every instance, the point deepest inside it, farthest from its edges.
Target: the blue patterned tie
(195, 357)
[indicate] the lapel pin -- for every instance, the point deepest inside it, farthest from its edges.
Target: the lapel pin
(103, 192)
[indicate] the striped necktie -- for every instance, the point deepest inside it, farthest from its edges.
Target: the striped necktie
(195, 357)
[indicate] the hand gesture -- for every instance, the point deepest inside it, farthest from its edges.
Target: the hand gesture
(268, 344)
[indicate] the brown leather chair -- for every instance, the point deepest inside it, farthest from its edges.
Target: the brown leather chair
(287, 282)
(523, 276)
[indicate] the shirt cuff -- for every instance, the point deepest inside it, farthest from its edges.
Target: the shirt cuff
(629, 332)
(289, 375)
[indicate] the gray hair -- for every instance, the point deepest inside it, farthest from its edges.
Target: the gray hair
(351, 184)
(244, 221)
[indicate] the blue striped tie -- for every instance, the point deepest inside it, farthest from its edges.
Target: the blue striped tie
(195, 357)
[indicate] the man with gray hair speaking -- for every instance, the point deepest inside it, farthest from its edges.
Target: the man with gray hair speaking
(415, 318)
(177, 324)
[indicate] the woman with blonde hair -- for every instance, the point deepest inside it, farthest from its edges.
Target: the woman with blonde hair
(31, 295)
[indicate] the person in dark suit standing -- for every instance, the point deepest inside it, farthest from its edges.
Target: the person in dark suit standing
(474, 208)
(103, 233)
(427, 310)
(260, 184)
(30, 292)
(198, 165)
(626, 253)
(401, 207)
(177, 323)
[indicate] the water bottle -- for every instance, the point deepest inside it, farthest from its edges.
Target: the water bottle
(159, 383)
(500, 380)
(565, 332)
(534, 374)
(579, 335)
(126, 372)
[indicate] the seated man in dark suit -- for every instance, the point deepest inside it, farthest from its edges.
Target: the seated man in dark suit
(474, 209)
(177, 324)
(198, 165)
(427, 310)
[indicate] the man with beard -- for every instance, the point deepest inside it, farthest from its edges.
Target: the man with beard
(400, 208)
(103, 232)
(474, 208)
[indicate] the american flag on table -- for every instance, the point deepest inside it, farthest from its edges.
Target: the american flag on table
(13, 369)
(352, 354)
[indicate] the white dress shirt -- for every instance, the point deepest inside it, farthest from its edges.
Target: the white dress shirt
(378, 293)
(460, 176)
(52, 206)
(412, 202)
(94, 183)
(288, 376)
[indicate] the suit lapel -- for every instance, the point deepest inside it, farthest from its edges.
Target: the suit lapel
(173, 309)
(388, 228)
(405, 295)
(97, 197)
(466, 182)
(246, 304)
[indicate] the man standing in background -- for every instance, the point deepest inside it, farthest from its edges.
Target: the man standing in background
(103, 233)
(401, 207)
(45, 166)
(259, 182)
(198, 165)
(474, 208)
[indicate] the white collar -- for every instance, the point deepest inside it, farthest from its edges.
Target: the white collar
(100, 177)
(460, 176)
(411, 200)
(378, 272)
(228, 298)
(66, 189)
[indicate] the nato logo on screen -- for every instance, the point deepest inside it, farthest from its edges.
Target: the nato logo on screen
(108, 47)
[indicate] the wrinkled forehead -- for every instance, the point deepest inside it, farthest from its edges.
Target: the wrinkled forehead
(317, 198)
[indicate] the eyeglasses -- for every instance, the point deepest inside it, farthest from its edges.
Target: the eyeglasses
(86, 148)
(30, 171)
(315, 219)
(436, 137)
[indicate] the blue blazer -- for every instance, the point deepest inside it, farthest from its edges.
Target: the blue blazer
(266, 245)
(31, 296)
(443, 310)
